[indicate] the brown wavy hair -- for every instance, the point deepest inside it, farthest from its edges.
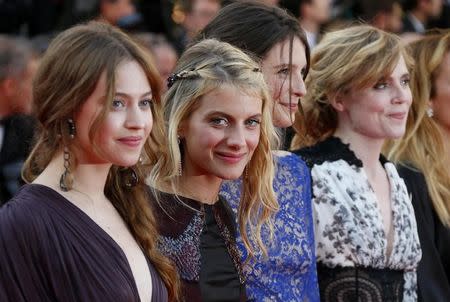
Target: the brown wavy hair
(423, 145)
(67, 76)
(351, 58)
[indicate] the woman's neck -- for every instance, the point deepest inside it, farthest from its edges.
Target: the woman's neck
(310, 26)
(366, 149)
(89, 179)
(203, 188)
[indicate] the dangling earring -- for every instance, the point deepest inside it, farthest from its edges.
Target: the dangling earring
(130, 177)
(180, 167)
(430, 112)
(72, 130)
(65, 181)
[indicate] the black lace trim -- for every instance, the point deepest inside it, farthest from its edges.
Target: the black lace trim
(330, 150)
(348, 284)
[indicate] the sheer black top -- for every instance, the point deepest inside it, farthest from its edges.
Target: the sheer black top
(200, 240)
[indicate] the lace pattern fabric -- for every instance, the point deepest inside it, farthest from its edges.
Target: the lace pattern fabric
(289, 273)
(360, 284)
(181, 227)
(188, 241)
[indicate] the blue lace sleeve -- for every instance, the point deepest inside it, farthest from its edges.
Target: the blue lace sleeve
(289, 273)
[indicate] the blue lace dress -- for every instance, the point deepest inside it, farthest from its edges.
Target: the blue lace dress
(289, 273)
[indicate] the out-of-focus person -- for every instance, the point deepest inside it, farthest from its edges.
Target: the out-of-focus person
(193, 16)
(383, 14)
(17, 69)
(164, 54)
(121, 13)
(312, 14)
(444, 20)
(418, 13)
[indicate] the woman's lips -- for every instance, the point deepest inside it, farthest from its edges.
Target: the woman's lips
(291, 106)
(231, 158)
(398, 116)
(131, 141)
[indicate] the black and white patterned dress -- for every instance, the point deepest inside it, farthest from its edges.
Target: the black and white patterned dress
(349, 234)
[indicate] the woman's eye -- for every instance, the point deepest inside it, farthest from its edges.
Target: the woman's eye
(219, 122)
(303, 72)
(253, 122)
(380, 85)
(116, 104)
(405, 82)
(146, 103)
(283, 71)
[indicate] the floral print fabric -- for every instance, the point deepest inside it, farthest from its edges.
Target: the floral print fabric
(348, 224)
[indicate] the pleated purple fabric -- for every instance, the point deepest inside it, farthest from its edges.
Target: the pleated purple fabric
(50, 250)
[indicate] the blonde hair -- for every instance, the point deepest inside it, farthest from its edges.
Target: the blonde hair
(67, 76)
(346, 59)
(423, 146)
(204, 67)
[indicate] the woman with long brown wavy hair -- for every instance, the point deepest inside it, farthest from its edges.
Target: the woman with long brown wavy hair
(81, 230)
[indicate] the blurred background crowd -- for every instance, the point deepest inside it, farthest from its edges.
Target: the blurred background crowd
(165, 27)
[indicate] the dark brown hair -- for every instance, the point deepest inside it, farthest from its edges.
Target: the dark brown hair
(255, 28)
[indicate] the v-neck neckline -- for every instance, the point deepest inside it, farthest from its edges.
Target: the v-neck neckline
(92, 224)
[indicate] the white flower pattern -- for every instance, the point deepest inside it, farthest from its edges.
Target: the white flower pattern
(348, 224)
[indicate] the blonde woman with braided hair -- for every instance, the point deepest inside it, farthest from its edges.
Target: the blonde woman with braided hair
(278, 43)
(217, 126)
(423, 155)
(367, 245)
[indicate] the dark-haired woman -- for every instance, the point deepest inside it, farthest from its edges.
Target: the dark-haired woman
(277, 42)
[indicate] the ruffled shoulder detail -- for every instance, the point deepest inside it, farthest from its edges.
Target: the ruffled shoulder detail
(331, 149)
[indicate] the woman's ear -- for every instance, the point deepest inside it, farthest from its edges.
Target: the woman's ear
(181, 130)
(430, 109)
(337, 102)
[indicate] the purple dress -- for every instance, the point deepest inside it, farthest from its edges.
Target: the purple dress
(50, 250)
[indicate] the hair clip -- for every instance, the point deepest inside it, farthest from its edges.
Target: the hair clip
(171, 79)
(176, 76)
